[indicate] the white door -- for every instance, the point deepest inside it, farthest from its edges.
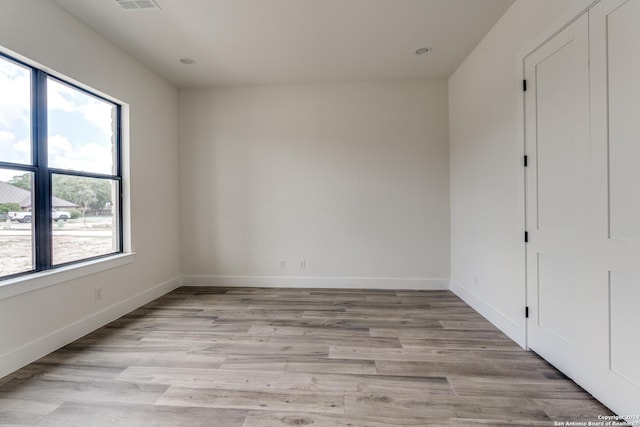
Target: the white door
(557, 143)
(615, 128)
(582, 139)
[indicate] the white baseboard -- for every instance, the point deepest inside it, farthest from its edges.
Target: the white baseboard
(513, 330)
(22, 356)
(317, 282)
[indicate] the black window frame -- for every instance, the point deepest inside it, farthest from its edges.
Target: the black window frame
(42, 191)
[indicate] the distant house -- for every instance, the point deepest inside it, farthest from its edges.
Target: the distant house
(12, 194)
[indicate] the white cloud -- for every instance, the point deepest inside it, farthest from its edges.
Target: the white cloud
(12, 149)
(15, 87)
(99, 113)
(23, 146)
(60, 153)
(64, 98)
(87, 157)
(58, 97)
(81, 155)
(6, 136)
(59, 145)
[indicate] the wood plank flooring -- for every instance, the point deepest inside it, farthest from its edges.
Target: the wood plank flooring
(249, 357)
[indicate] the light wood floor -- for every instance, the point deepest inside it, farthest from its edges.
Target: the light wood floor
(294, 357)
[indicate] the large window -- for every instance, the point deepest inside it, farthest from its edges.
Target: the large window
(60, 172)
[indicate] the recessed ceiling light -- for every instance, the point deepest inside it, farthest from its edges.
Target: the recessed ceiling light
(423, 50)
(187, 61)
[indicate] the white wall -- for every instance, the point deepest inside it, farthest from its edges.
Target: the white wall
(351, 177)
(487, 177)
(37, 322)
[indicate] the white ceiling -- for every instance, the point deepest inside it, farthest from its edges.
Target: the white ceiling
(237, 42)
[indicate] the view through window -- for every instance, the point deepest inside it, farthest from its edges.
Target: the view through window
(60, 178)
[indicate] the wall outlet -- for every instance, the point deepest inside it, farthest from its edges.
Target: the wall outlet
(282, 263)
(303, 263)
(97, 294)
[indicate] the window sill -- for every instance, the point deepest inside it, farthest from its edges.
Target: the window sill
(31, 282)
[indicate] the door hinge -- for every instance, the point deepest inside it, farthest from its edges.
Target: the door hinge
(526, 312)
(526, 237)
(526, 161)
(524, 85)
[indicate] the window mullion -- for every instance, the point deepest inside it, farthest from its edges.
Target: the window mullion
(42, 196)
(118, 170)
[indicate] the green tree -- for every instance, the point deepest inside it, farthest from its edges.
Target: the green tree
(88, 193)
(9, 207)
(22, 181)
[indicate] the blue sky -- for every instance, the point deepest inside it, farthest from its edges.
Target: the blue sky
(80, 126)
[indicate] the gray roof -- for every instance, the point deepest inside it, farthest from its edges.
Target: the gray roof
(12, 194)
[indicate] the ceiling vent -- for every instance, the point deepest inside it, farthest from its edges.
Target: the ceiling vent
(137, 4)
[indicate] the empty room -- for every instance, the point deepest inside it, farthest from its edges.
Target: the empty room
(272, 213)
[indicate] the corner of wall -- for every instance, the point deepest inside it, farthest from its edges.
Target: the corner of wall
(516, 332)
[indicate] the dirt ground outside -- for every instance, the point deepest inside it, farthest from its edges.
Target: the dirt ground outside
(73, 240)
